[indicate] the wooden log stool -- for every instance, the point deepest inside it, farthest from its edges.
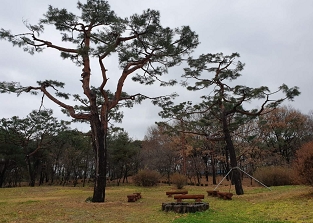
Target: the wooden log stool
(212, 193)
(225, 195)
(196, 197)
(134, 197)
(170, 193)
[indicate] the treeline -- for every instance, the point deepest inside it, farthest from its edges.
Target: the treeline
(272, 139)
(40, 149)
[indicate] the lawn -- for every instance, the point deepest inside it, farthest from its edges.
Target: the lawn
(67, 204)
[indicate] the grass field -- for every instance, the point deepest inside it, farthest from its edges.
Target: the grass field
(67, 204)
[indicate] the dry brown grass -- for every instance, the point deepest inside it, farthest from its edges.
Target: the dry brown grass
(67, 204)
(58, 204)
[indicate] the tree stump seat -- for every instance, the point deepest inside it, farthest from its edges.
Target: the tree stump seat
(212, 193)
(225, 195)
(184, 207)
(170, 193)
(196, 197)
(133, 197)
(138, 195)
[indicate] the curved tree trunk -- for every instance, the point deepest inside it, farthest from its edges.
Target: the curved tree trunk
(232, 155)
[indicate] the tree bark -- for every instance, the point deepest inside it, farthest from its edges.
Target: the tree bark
(232, 155)
(213, 169)
(99, 134)
(2, 173)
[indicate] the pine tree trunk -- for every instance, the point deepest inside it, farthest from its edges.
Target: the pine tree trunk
(232, 155)
(2, 173)
(213, 169)
(99, 134)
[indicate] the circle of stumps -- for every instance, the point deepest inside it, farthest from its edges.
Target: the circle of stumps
(182, 207)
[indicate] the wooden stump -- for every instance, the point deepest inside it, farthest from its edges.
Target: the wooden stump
(225, 195)
(212, 193)
(185, 207)
(132, 197)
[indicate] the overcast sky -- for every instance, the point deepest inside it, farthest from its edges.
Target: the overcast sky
(273, 38)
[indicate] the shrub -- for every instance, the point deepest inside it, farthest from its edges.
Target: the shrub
(303, 164)
(179, 180)
(146, 178)
(274, 175)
